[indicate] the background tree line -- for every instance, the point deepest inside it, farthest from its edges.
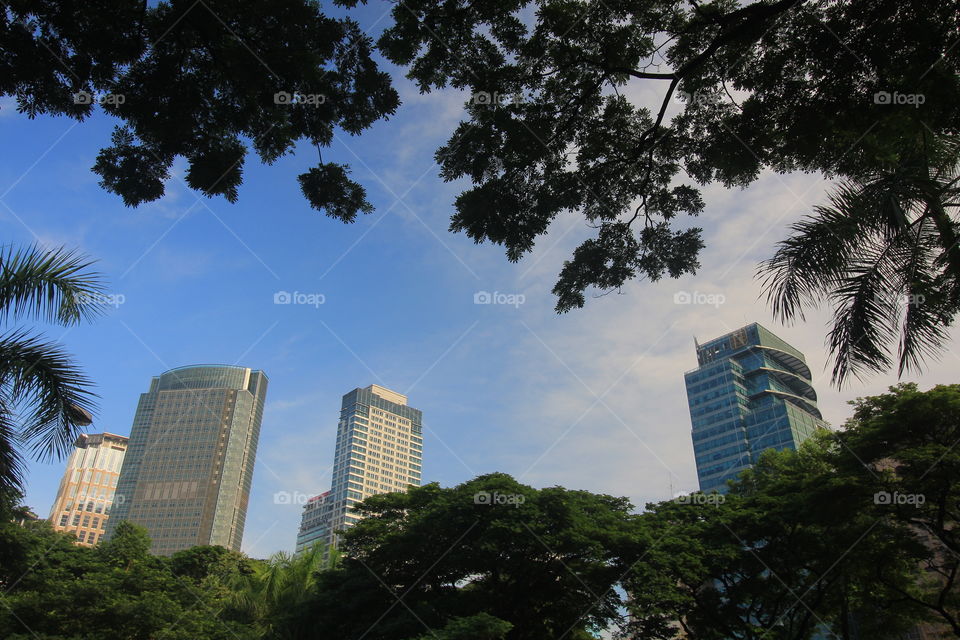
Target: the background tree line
(856, 534)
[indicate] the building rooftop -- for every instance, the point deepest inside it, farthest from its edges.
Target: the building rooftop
(751, 335)
(387, 394)
(85, 439)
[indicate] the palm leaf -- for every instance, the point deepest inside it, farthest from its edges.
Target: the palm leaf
(54, 286)
(12, 468)
(925, 303)
(885, 262)
(39, 377)
(867, 305)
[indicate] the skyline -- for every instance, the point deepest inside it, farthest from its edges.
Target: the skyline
(508, 388)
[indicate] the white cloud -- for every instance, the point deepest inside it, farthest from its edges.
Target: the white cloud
(632, 351)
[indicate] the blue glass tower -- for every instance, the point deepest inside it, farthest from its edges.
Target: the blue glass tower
(751, 392)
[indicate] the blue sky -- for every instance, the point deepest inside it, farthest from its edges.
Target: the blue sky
(593, 399)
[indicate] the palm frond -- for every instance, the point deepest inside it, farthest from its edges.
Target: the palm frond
(926, 302)
(866, 315)
(40, 378)
(813, 260)
(55, 286)
(12, 468)
(884, 253)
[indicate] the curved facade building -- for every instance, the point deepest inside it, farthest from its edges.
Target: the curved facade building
(751, 392)
(189, 465)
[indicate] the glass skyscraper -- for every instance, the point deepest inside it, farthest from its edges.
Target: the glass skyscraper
(379, 450)
(189, 465)
(751, 392)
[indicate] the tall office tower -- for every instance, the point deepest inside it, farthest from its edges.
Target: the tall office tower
(86, 491)
(379, 450)
(187, 474)
(751, 392)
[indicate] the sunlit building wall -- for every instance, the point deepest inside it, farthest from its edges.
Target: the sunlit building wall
(86, 492)
(379, 450)
(189, 467)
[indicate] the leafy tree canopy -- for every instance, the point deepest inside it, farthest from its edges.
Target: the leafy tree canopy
(863, 91)
(903, 445)
(482, 626)
(786, 85)
(199, 80)
(117, 591)
(855, 533)
(544, 561)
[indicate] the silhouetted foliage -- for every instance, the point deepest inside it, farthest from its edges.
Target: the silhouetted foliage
(117, 591)
(545, 561)
(864, 91)
(44, 397)
(853, 536)
(203, 81)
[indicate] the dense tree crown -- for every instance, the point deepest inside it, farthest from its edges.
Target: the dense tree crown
(199, 80)
(864, 91)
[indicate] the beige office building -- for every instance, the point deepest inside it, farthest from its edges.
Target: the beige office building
(187, 474)
(86, 492)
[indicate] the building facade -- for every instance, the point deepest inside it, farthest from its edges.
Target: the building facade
(751, 392)
(379, 450)
(189, 466)
(316, 522)
(86, 492)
